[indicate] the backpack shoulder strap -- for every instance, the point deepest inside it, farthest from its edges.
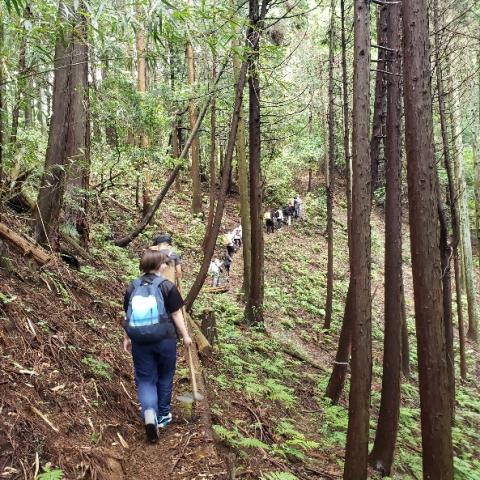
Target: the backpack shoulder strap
(158, 281)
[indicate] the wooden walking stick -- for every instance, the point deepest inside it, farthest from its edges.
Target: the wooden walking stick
(196, 394)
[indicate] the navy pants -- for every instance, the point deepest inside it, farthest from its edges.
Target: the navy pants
(154, 365)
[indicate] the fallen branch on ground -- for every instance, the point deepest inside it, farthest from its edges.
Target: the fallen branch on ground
(25, 245)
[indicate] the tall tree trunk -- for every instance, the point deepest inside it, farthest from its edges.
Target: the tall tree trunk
(254, 307)
(405, 343)
(52, 184)
(346, 125)
(340, 365)
(339, 372)
(380, 98)
(445, 254)
(383, 452)
(422, 199)
(359, 399)
(20, 86)
(210, 245)
(463, 214)
(197, 186)
(176, 149)
(461, 330)
(77, 151)
(212, 162)
(446, 248)
(142, 88)
(176, 123)
(42, 108)
(330, 171)
(476, 154)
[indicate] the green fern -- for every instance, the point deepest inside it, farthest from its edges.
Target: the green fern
(278, 476)
(253, 443)
(50, 474)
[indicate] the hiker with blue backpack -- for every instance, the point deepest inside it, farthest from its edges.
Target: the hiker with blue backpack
(153, 307)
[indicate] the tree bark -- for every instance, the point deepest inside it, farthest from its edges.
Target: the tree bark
(340, 366)
(254, 307)
(330, 172)
(142, 88)
(242, 174)
(383, 452)
(339, 372)
(476, 154)
(446, 249)
(197, 186)
(421, 172)
(346, 124)
(464, 215)
(212, 162)
(20, 86)
(378, 126)
(52, 184)
(77, 152)
(359, 399)
(210, 245)
(405, 343)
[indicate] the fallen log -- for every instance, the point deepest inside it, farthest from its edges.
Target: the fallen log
(216, 289)
(76, 247)
(24, 245)
(203, 345)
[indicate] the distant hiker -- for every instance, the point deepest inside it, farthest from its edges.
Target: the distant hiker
(279, 217)
(227, 261)
(291, 204)
(151, 339)
(237, 237)
(269, 221)
(214, 267)
(231, 247)
(297, 203)
(287, 212)
(163, 243)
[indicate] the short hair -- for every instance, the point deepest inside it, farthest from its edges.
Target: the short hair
(151, 261)
(162, 238)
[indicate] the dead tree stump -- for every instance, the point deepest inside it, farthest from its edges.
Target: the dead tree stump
(209, 325)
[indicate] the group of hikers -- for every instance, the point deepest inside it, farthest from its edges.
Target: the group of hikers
(232, 241)
(154, 317)
(285, 214)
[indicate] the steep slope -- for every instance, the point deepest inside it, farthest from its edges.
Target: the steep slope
(68, 399)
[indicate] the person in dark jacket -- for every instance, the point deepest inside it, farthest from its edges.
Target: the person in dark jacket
(269, 220)
(154, 363)
(227, 261)
(163, 242)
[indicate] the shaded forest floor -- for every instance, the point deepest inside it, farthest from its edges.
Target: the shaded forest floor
(67, 396)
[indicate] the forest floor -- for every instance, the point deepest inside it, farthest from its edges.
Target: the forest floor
(67, 396)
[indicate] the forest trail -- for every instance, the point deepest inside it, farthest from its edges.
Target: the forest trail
(61, 362)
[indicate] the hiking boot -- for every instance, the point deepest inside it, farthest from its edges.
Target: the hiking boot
(151, 425)
(164, 421)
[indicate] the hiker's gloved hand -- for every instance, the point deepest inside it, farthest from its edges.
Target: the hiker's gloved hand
(187, 341)
(127, 346)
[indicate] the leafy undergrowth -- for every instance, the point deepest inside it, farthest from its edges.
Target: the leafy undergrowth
(68, 400)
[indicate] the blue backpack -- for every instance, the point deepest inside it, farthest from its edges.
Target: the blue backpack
(147, 319)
